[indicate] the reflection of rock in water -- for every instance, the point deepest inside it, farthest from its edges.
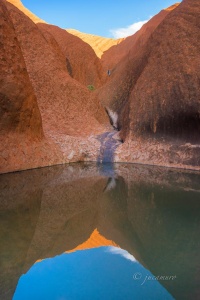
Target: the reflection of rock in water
(111, 184)
(167, 222)
(43, 213)
(17, 227)
(151, 212)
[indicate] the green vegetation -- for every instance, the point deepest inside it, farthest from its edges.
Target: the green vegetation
(91, 87)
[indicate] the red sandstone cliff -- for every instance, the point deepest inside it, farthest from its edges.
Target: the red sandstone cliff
(80, 59)
(166, 96)
(19, 109)
(122, 60)
(27, 12)
(152, 93)
(59, 96)
(98, 43)
(71, 114)
(115, 53)
(162, 110)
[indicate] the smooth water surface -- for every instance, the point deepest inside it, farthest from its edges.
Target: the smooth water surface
(87, 231)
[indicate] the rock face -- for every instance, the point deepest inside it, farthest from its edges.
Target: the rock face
(122, 60)
(133, 43)
(155, 92)
(49, 116)
(166, 97)
(52, 84)
(19, 110)
(99, 44)
(71, 114)
(27, 12)
(80, 60)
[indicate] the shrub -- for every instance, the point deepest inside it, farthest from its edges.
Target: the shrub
(91, 87)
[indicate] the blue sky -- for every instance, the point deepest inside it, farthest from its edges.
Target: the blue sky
(101, 273)
(97, 17)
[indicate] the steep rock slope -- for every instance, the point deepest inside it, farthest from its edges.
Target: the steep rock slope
(166, 96)
(123, 60)
(164, 105)
(98, 43)
(19, 109)
(27, 12)
(71, 115)
(114, 54)
(152, 95)
(80, 59)
(21, 132)
(59, 96)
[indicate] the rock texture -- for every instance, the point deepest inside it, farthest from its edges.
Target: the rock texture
(98, 43)
(22, 143)
(155, 92)
(27, 12)
(167, 95)
(71, 114)
(49, 116)
(125, 63)
(19, 110)
(52, 84)
(80, 60)
(133, 43)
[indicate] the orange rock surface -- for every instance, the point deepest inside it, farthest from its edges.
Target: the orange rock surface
(98, 43)
(80, 60)
(113, 55)
(128, 62)
(71, 114)
(161, 115)
(166, 96)
(152, 95)
(53, 86)
(27, 12)
(95, 240)
(19, 109)
(122, 61)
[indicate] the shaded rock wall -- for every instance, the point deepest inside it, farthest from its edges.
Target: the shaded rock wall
(19, 111)
(152, 92)
(83, 64)
(126, 64)
(35, 80)
(155, 91)
(59, 96)
(166, 97)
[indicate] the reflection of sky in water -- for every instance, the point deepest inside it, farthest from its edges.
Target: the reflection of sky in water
(101, 273)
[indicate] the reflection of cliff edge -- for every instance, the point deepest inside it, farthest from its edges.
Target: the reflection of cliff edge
(71, 202)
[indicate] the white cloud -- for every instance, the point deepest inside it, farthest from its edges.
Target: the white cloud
(126, 31)
(121, 252)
